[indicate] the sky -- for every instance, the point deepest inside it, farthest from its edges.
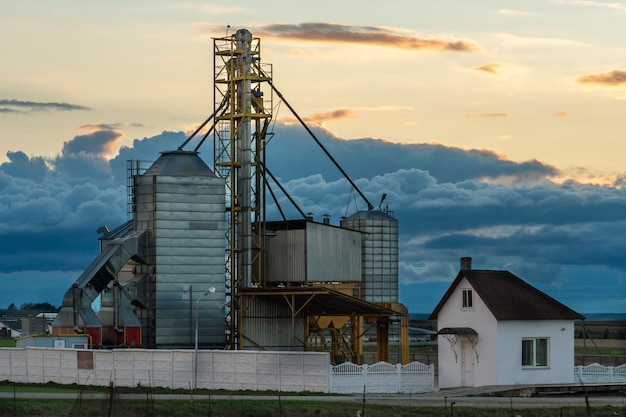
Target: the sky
(494, 127)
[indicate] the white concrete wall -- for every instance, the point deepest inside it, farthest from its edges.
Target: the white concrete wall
(231, 370)
(561, 352)
(478, 318)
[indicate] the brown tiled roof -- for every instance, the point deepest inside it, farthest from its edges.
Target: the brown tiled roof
(508, 297)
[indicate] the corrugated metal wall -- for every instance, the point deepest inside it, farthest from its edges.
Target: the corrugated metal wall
(185, 219)
(316, 253)
(269, 325)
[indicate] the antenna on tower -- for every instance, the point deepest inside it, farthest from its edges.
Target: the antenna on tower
(227, 27)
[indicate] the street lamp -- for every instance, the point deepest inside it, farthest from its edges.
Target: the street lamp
(207, 292)
(211, 290)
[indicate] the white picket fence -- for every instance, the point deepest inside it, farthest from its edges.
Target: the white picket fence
(600, 373)
(382, 378)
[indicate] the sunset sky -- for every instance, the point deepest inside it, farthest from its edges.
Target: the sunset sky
(495, 127)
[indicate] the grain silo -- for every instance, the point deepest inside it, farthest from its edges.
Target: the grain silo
(379, 254)
(179, 202)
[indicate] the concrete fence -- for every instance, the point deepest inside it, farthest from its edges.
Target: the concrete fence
(229, 370)
(600, 373)
(382, 377)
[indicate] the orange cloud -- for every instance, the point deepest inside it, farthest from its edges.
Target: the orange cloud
(561, 114)
(367, 35)
(321, 118)
(608, 79)
(487, 115)
(94, 127)
(491, 68)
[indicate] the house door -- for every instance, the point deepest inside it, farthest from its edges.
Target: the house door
(467, 365)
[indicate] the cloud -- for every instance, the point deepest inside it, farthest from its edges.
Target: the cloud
(93, 127)
(487, 115)
(561, 114)
(510, 12)
(450, 202)
(321, 118)
(491, 68)
(364, 35)
(24, 107)
(100, 143)
(606, 79)
(513, 41)
(614, 6)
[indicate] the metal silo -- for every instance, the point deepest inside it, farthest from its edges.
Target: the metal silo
(379, 254)
(180, 203)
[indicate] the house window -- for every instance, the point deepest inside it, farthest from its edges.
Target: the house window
(535, 352)
(468, 300)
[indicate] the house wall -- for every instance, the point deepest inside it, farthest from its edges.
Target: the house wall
(479, 318)
(561, 352)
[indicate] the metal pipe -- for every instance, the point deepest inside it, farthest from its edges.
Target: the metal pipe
(370, 206)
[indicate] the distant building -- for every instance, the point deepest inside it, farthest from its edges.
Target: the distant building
(72, 341)
(7, 332)
(495, 329)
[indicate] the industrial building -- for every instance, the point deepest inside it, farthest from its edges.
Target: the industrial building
(199, 264)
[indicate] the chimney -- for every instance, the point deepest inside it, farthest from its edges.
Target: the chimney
(466, 263)
(326, 219)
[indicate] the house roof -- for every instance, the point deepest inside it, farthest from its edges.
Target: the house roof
(508, 297)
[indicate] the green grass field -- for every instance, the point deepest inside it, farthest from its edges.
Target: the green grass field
(7, 342)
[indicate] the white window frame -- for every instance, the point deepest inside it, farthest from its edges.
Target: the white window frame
(467, 299)
(533, 361)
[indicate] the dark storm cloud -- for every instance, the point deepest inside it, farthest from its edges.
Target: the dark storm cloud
(19, 106)
(365, 158)
(101, 142)
(366, 35)
(449, 202)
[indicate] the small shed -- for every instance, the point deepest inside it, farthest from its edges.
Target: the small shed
(56, 341)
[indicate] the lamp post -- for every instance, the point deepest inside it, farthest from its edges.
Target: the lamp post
(211, 290)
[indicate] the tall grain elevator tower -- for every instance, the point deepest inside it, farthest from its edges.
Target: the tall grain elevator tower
(243, 94)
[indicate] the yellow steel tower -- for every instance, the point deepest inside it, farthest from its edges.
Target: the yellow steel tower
(243, 109)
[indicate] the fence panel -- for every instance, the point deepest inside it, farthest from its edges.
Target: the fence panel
(600, 373)
(382, 378)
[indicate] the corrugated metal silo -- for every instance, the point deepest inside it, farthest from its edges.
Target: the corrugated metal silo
(180, 203)
(379, 254)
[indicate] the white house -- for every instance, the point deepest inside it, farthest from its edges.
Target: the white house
(495, 329)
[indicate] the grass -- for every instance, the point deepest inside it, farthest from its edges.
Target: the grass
(4, 342)
(603, 351)
(264, 408)
(239, 406)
